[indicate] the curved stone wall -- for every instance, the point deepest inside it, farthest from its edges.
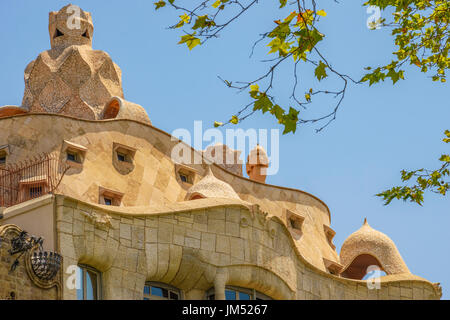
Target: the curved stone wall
(153, 180)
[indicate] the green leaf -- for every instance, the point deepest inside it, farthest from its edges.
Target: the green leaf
(320, 71)
(190, 40)
(283, 3)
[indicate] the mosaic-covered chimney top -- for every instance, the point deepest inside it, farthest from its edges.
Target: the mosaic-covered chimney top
(73, 79)
(70, 26)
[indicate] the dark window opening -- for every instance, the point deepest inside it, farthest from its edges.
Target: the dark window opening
(58, 34)
(108, 201)
(295, 224)
(35, 192)
(183, 178)
(2, 160)
(71, 156)
(121, 157)
(85, 34)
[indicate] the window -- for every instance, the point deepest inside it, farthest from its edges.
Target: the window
(121, 157)
(237, 293)
(333, 267)
(185, 174)
(294, 221)
(35, 192)
(4, 151)
(88, 283)
(75, 153)
(110, 197)
(72, 156)
(124, 153)
(160, 291)
(183, 177)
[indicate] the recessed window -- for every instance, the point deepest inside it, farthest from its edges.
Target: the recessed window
(88, 283)
(75, 153)
(85, 34)
(35, 192)
(3, 154)
(238, 293)
(121, 157)
(33, 187)
(333, 267)
(110, 197)
(58, 34)
(123, 154)
(185, 174)
(72, 156)
(295, 224)
(184, 177)
(294, 221)
(160, 291)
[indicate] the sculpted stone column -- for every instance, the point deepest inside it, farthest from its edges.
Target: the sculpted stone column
(219, 284)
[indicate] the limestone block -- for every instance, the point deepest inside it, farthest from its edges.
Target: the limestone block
(216, 226)
(151, 235)
(125, 231)
(232, 228)
(223, 244)
(208, 241)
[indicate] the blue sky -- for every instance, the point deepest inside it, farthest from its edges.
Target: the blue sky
(379, 130)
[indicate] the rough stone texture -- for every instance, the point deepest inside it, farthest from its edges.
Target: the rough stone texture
(211, 187)
(153, 182)
(370, 241)
(270, 265)
(71, 78)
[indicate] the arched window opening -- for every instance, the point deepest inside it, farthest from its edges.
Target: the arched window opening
(88, 283)
(197, 196)
(360, 266)
(161, 291)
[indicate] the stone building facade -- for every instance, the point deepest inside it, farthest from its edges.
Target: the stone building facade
(135, 224)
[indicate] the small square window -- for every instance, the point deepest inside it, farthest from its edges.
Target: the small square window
(185, 174)
(121, 157)
(294, 221)
(35, 192)
(74, 153)
(110, 197)
(2, 160)
(72, 156)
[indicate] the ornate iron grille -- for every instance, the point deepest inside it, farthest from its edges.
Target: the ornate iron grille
(30, 179)
(45, 264)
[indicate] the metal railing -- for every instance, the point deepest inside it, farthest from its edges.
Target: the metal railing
(30, 179)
